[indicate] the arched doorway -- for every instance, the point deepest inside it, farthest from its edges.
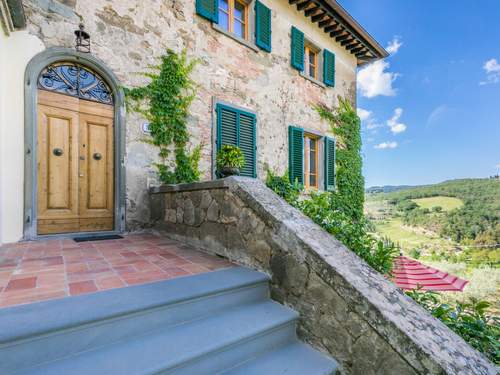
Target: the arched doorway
(74, 168)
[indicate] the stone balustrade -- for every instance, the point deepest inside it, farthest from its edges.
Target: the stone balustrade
(347, 309)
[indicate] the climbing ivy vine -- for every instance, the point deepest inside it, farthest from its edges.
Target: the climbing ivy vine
(345, 124)
(341, 212)
(165, 103)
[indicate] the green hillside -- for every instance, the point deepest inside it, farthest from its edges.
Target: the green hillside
(470, 215)
(446, 203)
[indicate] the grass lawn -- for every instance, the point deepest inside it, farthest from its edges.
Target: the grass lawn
(408, 238)
(446, 203)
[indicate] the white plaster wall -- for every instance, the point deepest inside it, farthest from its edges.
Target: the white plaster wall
(15, 53)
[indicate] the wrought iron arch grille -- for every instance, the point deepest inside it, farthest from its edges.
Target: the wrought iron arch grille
(75, 80)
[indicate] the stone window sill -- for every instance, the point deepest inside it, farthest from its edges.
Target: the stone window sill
(245, 42)
(313, 80)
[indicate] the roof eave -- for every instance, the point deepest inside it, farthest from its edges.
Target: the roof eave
(343, 28)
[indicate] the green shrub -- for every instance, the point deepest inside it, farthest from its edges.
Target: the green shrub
(320, 207)
(415, 253)
(468, 320)
(282, 186)
(230, 156)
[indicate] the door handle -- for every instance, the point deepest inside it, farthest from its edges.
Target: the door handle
(97, 156)
(57, 151)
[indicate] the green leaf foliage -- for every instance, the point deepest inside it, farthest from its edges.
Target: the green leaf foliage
(341, 212)
(468, 320)
(165, 103)
(346, 126)
(282, 186)
(230, 156)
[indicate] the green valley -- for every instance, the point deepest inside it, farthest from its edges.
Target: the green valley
(453, 226)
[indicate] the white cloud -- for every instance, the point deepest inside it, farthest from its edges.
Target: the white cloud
(374, 80)
(394, 124)
(492, 69)
(394, 45)
(497, 166)
(436, 114)
(386, 145)
(364, 114)
(373, 124)
(492, 66)
(368, 120)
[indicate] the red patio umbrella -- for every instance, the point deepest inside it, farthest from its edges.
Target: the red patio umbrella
(410, 274)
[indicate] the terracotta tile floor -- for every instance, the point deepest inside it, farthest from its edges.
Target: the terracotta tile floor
(40, 270)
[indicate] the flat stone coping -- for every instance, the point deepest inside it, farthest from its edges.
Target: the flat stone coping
(221, 183)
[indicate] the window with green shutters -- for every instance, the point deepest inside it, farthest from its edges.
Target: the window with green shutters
(297, 49)
(296, 154)
(329, 164)
(262, 26)
(208, 9)
(328, 68)
(238, 128)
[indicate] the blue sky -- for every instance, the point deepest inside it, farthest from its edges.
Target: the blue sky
(431, 111)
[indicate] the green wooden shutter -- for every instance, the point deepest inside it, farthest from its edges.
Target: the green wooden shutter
(227, 126)
(328, 68)
(296, 154)
(297, 49)
(262, 26)
(246, 142)
(208, 9)
(238, 128)
(329, 164)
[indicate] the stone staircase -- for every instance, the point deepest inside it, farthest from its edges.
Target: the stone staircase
(221, 322)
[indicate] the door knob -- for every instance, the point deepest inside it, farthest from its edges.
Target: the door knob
(97, 156)
(57, 151)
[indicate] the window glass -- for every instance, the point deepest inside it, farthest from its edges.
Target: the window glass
(239, 29)
(311, 161)
(224, 5)
(224, 14)
(311, 62)
(232, 17)
(239, 11)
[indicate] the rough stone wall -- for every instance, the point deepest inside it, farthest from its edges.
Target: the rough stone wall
(347, 309)
(129, 35)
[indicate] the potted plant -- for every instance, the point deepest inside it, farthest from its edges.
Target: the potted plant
(230, 160)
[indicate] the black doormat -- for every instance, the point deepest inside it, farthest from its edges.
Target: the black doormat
(98, 238)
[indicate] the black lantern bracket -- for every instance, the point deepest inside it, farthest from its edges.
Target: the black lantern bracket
(82, 43)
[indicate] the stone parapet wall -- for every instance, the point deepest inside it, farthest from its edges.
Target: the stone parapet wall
(347, 309)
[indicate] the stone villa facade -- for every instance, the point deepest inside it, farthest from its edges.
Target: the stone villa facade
(265, 61)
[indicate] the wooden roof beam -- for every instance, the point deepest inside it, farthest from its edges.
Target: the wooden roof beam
(326, 22)
(304, 5)
(333, 27)
(347, 42)
(343, 37)
(337, 32)
(359, 49)
(350, 46)
(311, 11)
(318, 17)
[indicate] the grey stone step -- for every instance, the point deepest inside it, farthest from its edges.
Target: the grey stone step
(295, 358)
(203, 346)
(47, 331)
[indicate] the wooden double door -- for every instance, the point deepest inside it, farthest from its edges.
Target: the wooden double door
(75, 164)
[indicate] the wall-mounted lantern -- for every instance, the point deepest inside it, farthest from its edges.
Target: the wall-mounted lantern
(82, 43)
